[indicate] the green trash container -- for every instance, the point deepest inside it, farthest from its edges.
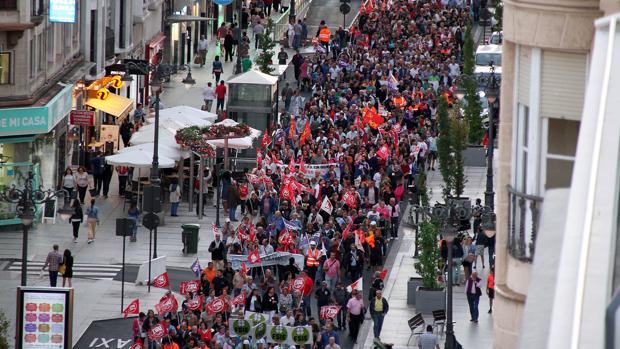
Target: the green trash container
(190, 238)
(246, 64)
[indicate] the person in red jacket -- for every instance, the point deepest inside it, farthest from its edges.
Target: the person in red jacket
(307, 292)
(220, 93)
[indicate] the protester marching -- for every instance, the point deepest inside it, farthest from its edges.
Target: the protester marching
(322, 206)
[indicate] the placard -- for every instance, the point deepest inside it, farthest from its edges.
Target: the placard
(82, 118)
(49, 210)
(44, 318)
(109, 133)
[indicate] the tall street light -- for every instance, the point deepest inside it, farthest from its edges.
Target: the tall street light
(490, 85)
(26, 200)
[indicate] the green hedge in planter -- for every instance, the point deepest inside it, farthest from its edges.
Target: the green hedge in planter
(429, 255)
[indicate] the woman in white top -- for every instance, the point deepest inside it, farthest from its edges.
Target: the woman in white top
(175, 196)
(68, 181)
(81, 178)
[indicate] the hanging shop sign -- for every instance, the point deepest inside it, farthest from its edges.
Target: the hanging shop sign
(222, 2)
(36, 120)
(62, 11)
(82, 118)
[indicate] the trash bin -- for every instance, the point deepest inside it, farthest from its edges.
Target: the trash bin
(246, 64)
(412, 286)
(189, 237)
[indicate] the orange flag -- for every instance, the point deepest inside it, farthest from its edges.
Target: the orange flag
(305, 134)
(291, 132)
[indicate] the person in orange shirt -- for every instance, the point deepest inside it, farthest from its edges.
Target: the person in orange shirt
(210, 271)
(168, 344)
(491, 289)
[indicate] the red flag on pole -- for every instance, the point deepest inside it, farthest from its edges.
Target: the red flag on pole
(346, 231)
(217, 305)
(350, 199)
(157, 331)
(137, 345)
(244, 269)
(239, 300)
(305, 134)
(254, 257)
(357, 285)
(266, 140)
(162, 281)
(186, 287)
(291, 166)
(329, 312)
(167, 304)
(195, 304)
(383, 274)
(291, 131)
(298, 284)
(133, 308)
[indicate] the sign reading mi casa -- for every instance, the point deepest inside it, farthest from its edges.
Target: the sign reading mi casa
(63, 11)
(36, 120)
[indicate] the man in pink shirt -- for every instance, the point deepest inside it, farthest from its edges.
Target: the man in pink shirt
(355, 309)
(331, 267)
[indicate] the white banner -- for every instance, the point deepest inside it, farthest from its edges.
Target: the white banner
(276, 258)
(322, 169)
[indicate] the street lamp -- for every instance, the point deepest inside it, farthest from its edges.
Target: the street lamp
(26, 200)
(490, 86)
(449, 217)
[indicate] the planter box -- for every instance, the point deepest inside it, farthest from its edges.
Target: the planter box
(426, 301)
(475, 156)
(412, 287)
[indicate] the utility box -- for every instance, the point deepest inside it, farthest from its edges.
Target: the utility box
(189, 236)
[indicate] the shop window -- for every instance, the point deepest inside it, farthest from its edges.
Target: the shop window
(5, 68)
(8, 4)
(14, 167)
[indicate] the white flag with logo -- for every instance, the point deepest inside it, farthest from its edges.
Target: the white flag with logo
(327, 206)
(357, 285)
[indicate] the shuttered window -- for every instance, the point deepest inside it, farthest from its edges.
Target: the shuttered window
(525, 58)
(563, 83)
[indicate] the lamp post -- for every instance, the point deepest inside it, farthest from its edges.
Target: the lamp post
(449, 217)
(490, 85)
(26, 200)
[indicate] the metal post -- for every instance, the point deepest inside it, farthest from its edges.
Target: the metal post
(123, 276)
(219, 195)
(200, 188)
(489, 194)
(417, 235)
(238, 67)
(191, 181)
(24, 255)
(150, 259)
(449, 325)
(277, 102)
(344, 21)
(155, 165)
(292, 14)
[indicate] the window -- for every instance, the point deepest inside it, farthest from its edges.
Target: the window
(485, 59)
(41, 54)
(5, 68)
(8, 4)
(32, 55)
(521, 148)
(562, 136)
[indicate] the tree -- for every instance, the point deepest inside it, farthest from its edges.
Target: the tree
(266, 44)
(443, 145)
(429, 254)
(4, 331)
(499, 16)
(458, 141)
(469, 58)
(473, 109)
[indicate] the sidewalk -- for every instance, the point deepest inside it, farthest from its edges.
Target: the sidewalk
(395, 327)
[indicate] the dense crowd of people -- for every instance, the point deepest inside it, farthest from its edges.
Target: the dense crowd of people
(330, 178)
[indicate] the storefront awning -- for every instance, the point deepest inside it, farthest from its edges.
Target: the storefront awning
(116, 105)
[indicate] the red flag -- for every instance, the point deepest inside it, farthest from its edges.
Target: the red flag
(298, 284)
(291, 165)
(363, 8)
(384, 152)
(350, 199)
(217, 305)
(252, 234)
(254, 257)
(137, 345)
(266, 140)
(305, 134)
(286, 237)
(357, 285)
(195, 304)
(383, 274)
(369, 7)
(346, 231)
(133, 308)
(287, 192)
(291, 131)
(157, 331)
(186, 287)
(162, 281)
(329, 312)
(302, 166)
(239, 300)
(244, 269)
(167, 304)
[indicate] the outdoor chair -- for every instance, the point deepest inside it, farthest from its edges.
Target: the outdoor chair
(439, 320)
(416, 323)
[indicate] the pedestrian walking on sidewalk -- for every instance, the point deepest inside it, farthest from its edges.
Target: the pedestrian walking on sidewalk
(69, 183)
(92, 220)
(175, 196)
(491, 289)
(220, 93)
(108, 171)
(258, 30)
(473, 292)
(355, 316)
(208, 95)
(97, 165)
(203, 49)
(123, 174)
(81, 178)
(52, 263)
(217, 68)
(133, 213)
(228, 46)
(428, 340)
(378, 308)
(77, 218)
(67, 275)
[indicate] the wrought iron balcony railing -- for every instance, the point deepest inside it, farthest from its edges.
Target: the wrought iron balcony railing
(523, 219)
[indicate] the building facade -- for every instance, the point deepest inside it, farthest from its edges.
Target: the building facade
(546, 55)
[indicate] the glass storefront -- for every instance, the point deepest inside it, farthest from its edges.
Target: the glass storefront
(15, 163)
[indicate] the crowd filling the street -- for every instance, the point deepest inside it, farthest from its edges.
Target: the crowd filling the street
(299, 261)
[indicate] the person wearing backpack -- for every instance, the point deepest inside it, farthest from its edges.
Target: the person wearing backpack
(217, 68)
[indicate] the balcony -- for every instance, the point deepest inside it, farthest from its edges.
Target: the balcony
(523, 220)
